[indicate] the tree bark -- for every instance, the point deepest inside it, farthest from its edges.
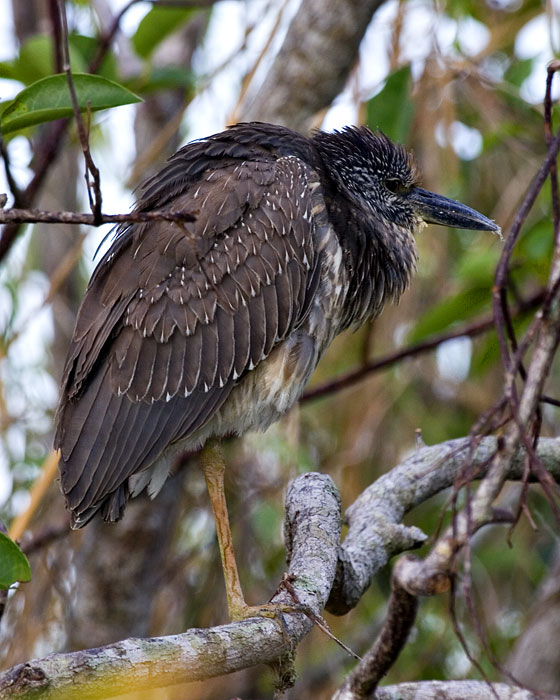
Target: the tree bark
(455, 690)
(313, 65)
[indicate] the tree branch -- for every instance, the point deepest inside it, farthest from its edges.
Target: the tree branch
(425, 576)
(93, 186)
(375, 532)
(34, 216)
(49, 146)
(312, 541)
(456, 690)
(313, 533)
(472, 330)
(401, 614)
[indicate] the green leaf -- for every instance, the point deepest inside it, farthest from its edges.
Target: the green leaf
(49, 99)
(392, 110)
(164, 78)
(457, 308)
(156, 25)
(86, 47)
(13, 563)
(36, 60)
(7, 70)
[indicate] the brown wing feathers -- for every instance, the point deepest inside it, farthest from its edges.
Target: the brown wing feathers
(173, 318)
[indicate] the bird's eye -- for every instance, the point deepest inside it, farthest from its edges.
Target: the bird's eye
(393, 185)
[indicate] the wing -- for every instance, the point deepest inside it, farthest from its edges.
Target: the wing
(175, 315)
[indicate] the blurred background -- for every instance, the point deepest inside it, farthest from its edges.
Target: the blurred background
(461, 83)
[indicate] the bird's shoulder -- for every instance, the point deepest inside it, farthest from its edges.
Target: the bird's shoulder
(245, 142)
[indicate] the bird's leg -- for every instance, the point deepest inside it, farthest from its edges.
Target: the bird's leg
(213, 465)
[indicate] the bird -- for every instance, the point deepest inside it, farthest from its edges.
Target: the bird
(189, 332)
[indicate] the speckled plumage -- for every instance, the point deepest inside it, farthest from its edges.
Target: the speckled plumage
(188, 331)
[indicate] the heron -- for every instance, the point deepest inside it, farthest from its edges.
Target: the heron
(192, 331)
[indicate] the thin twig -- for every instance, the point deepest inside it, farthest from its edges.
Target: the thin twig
(472, 329)
(3, 592)
(57, 36)
(502, 271)
(33, 216)
(320, 622)
(106, 39)
(461, 637)
(93, 186)
(14, 189)
(552, 68)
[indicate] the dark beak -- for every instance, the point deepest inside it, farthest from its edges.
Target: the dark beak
(436, 209)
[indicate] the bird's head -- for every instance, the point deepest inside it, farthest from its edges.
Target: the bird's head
(382, 179)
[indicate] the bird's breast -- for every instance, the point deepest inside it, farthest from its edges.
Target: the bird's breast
(275, 385)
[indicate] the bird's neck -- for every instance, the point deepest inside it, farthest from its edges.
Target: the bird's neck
(380, 259)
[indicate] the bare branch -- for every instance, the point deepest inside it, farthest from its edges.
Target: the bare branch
(435, 572)
(438, 564)
(33, 216)
(50, 145)
(312, 540)
(456, 690)
(14, 189)
(375, 532)
(93, 188)
(313, 64)
(472, 330)
(502, 272)
(552, 68)
(312, 534)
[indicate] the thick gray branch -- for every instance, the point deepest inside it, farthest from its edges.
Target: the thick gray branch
(311, 68)
(375, 531)
(313, 535)
(313, 522)
(455, 690)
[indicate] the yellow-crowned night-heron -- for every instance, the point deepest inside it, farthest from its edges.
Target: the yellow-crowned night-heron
(196, 331)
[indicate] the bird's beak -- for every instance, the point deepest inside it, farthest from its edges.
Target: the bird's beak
(436, 209)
